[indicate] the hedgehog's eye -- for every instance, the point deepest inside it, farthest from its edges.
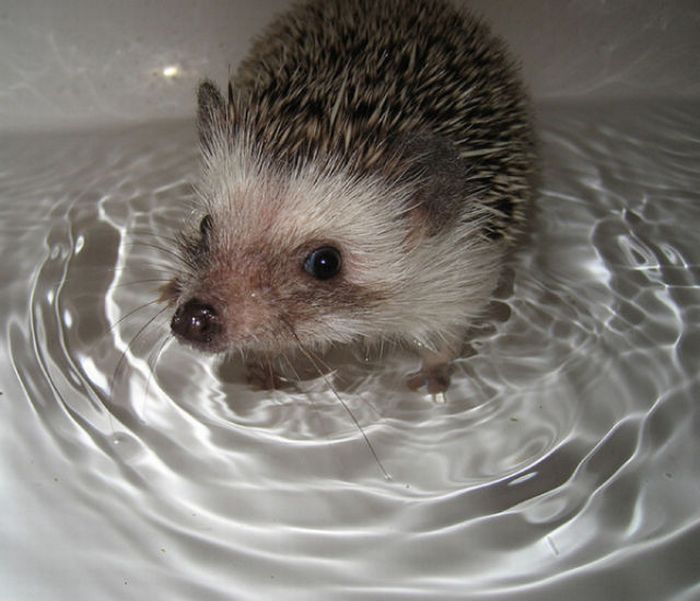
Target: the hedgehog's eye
(205, 226)
(323, 263)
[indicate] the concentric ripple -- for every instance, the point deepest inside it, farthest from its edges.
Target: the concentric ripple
(563, 462)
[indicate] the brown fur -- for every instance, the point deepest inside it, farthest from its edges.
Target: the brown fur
(355, 79)
(394, 131)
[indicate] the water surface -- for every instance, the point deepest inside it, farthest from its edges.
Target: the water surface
(565, 462)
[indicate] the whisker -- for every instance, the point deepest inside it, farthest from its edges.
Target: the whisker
(270, 372)
(328, 368)
(158, 237)
(324, 428)
(381, 348)
(313, 362)
(290, 365)
(124, 317)
(166, 271)
(148, 281)
(130, 313)
(163, 249)
(124, 354)
(152, 362)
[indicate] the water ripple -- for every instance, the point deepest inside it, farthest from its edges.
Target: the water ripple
(564, 457)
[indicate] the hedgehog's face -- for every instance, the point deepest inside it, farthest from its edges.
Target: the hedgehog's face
(255, 296)
(271, 262)
(284, 256)
(265, 271)
(278, 262)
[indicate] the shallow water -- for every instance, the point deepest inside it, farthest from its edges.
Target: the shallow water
(565, 461)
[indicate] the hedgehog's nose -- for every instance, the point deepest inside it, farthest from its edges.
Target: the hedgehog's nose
(196, 322)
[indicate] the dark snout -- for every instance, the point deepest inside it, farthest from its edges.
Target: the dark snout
(196, 323)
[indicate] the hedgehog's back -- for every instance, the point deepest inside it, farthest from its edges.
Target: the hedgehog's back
(347, 80)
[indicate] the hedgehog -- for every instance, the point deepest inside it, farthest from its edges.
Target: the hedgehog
(362, 181)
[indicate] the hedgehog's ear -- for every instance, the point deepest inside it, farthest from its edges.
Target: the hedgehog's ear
(211, 111)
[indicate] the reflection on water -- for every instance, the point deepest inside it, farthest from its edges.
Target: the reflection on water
(565, 459)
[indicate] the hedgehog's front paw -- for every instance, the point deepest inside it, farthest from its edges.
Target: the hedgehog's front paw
(435, 378)
(436, 369)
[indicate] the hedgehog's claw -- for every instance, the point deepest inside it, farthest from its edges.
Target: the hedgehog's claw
(435, 378)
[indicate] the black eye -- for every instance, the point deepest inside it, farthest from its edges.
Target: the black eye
(323, 263)
(205, 226)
